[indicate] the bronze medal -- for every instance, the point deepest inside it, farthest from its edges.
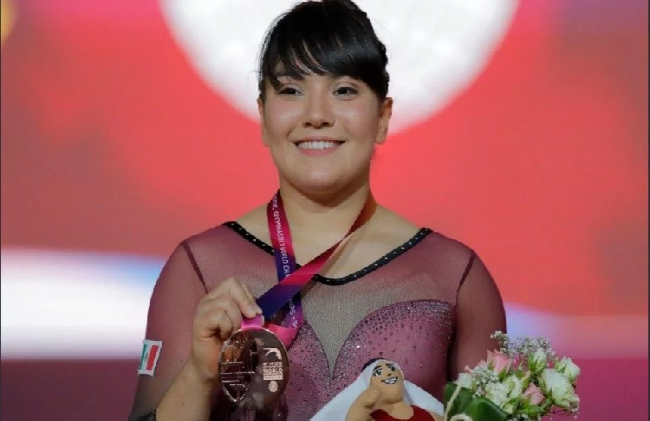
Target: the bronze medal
(253, 368)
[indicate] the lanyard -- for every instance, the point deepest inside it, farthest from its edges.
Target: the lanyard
(291, 278)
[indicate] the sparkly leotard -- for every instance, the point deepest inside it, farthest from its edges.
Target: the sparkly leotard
(401, 307)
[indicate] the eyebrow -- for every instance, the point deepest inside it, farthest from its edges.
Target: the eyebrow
(286, 74)
(301, 76)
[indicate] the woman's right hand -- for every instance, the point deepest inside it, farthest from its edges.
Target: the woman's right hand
(217, 316)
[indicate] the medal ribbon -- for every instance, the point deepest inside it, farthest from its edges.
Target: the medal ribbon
(292, 279)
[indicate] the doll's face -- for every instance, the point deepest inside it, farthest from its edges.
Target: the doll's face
(389, 379)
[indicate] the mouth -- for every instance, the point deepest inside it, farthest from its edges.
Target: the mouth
(318, 144)
(390, 380)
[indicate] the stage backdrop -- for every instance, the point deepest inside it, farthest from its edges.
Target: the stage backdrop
(520, 129)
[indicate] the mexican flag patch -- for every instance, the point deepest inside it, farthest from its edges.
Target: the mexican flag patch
(149, 358)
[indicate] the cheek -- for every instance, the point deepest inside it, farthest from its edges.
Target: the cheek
(360, 122)
(280, 120)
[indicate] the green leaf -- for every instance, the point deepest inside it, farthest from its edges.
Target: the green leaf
(478, 408)
(534, 411)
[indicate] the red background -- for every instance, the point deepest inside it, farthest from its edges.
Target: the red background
(112, 143)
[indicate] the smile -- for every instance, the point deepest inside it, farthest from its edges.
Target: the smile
(319, 144)
(390, 380)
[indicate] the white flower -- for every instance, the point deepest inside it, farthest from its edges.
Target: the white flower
(514, 386)
(465, 380)
(537, 361)
(568, 368)
(556, 386)
(497, 393)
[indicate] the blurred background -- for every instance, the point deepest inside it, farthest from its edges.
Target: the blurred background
(521, 129)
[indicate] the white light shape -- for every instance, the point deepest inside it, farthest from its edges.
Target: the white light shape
(55, 305)
(607, 336)
(436, 48)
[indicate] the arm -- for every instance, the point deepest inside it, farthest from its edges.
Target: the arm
(174, 384)
(192, 323)
(479, 313)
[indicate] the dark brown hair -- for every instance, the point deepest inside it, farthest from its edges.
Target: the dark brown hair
(329, 37)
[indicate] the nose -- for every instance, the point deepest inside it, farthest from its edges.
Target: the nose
(318, 112)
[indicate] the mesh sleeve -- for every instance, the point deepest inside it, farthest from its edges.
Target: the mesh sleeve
(479, 313)
(171, 312)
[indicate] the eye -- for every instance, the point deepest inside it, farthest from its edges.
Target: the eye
(345, 91)
(288, 91)
(376, 372)
(392, 367)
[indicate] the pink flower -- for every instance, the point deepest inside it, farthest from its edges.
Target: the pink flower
(534, 394)
(499, 362)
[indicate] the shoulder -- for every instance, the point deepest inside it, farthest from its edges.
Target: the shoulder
(215, 237)
(448, 246)
(214, 242)
(209, 240)
(190, 259)
(220, 246)
(434, 250)
(434, 242)
(227, 251)
(442, 251)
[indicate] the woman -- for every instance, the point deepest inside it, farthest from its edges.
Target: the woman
(391, 289)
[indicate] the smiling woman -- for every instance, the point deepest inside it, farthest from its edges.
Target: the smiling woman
(372, 282)
(323, 87)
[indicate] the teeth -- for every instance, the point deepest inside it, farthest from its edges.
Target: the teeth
(317, 144)
(392, 380)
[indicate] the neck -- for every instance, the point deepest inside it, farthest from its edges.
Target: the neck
(323, 213)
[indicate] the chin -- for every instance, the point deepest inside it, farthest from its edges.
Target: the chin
(320, 185)
(393, 396)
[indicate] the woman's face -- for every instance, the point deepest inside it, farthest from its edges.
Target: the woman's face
(389, 379)
(322, 130)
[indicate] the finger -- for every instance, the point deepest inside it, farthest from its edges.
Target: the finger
(224, 316)
(250, 295)
(233, 312)
(247, 306)
(235, 289)
(221, 289)
(214, 322)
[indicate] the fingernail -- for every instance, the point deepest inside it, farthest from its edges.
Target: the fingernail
(252, 309)
(259, 309)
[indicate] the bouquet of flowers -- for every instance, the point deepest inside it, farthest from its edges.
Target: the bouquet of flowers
(524, 380)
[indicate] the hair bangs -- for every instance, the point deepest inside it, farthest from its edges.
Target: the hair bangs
(324, 38)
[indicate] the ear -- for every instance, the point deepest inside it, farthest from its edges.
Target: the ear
(385, 113)
(260, 110)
